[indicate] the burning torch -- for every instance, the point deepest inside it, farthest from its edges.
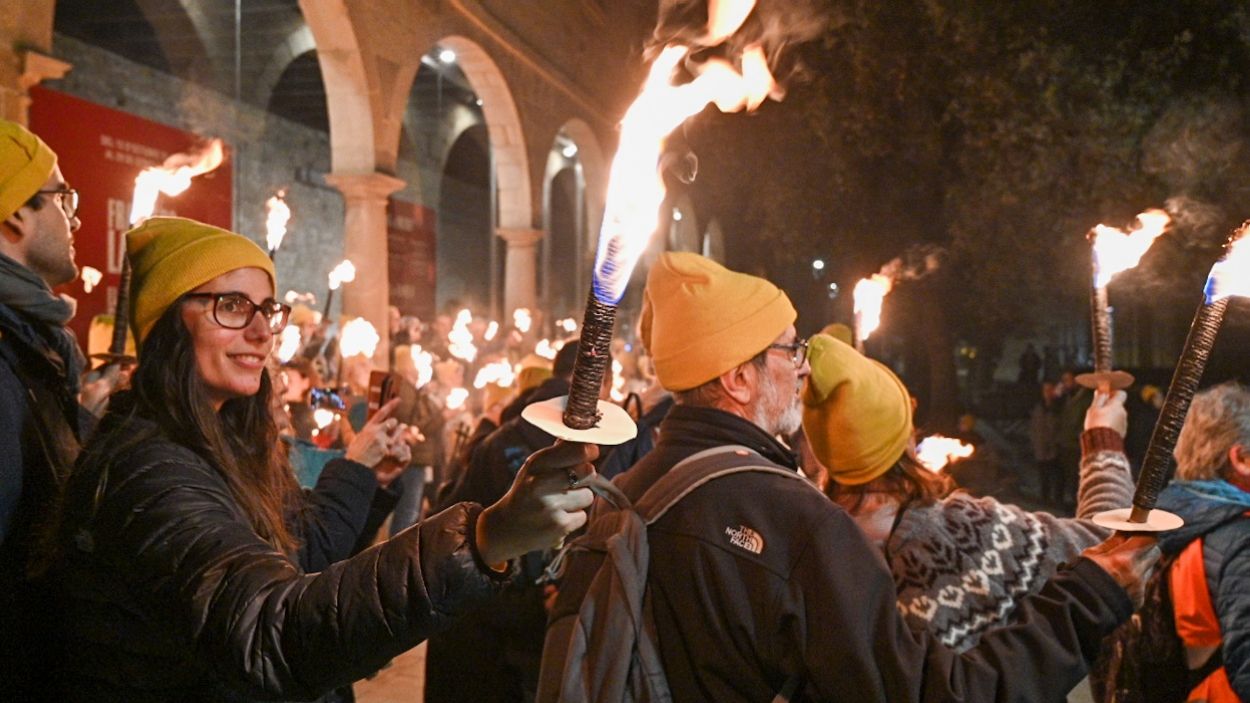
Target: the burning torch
(277, 214)
(345, 272)
(171, 178)
(869, 297)
(1114, 251)
(1230, 276)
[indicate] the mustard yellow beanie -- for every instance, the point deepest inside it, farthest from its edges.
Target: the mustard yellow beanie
(534, 370)
(699, 319)
(856, 412)
(25, 164)
(840, 332)
(170, 256)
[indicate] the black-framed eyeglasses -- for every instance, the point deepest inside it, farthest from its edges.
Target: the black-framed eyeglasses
(235, 311)
(69, 199)
(797, 349)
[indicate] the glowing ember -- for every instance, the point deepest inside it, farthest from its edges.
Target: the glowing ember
(568, 324)
(636, 189)
(499, 373)
(289, 343)
(460, 338)
(456, 398)
(172, 177)
(936, 452)
(345, 272)
(424, 362)
(91, 278)
(1116, 251)
(618, 382)
(1231, 275)
(491, 331)
(324, 417)
(358, 338)
(545, 349)
(869, 296)
(522, 320)
(278, 213)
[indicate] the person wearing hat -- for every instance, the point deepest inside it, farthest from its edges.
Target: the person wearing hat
(961, 564)
(41, 424)
(172, 565)
(757, 580)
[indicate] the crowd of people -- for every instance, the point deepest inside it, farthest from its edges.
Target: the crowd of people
(214, 523)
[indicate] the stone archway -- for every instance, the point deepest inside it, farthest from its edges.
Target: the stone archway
(595, 167)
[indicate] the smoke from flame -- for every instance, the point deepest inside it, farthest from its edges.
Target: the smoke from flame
(172, 177)
(358, 338)
(278, 213)
(1231, 274)
(936, 452)
(345, 272)
(1116, 251)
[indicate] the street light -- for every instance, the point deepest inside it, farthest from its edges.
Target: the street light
(818, 264)
(833, 291)
(447, 56)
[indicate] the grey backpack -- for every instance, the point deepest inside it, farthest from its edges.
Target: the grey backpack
(608, 652)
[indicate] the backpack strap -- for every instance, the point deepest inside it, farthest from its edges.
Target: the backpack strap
(696, 470)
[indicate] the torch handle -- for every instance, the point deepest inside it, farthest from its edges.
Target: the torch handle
(593, 355)
(1100, 322)
(121, 312)
(325, 315)
(1157, 466)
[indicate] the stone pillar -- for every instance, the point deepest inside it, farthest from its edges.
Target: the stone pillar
(520, 288)
(364, 242)
(15, 91)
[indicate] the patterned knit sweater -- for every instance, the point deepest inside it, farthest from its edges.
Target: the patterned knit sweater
(961, 564)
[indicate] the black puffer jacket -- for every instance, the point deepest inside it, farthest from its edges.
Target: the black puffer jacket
(163, 592)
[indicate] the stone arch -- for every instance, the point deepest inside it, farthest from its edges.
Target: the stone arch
(297, 43)
(503, 124)
(595, 174)
(352, 138)
(176, 26)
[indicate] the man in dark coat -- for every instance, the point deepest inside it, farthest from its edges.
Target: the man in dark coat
(758, 580)
(41, 423)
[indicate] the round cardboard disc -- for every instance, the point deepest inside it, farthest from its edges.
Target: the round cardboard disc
(1118, 380)
(1156, 521)
(615, 425)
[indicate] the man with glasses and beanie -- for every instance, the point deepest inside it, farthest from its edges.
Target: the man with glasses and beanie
(758, 584)
(41, 423)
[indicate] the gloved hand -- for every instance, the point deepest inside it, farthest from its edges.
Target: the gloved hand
(1107, 410)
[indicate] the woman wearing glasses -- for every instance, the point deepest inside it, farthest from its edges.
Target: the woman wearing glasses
(172, 575)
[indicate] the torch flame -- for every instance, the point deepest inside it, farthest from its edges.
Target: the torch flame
(869, 296)
(172, 177)
(937, 451)
(1231, 274)
(456, 398)
(289, 343)
(345, 272)
(278, 213)
(636, 189)
(546, 349)
(1116, 251)
(568, 324)
(359, 338)
(491, 330)
(424, 363)
(499, 373)
(91, 278)
(323, 417)
(460, 338)
(618, 381)
(522, 320)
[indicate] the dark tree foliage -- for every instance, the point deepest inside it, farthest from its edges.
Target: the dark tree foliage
(1002, 131)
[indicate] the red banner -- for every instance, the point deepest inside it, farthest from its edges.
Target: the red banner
(100, 151)
(410, 242)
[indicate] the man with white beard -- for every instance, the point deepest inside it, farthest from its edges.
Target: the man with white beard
(757, 583)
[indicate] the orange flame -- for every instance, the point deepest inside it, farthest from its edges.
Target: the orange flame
(91, 278)
(456, 398)
(869, 297)
(618, 382)
(278, 213)
(289, 343)
(491, 330)
(568, 324)
(522, 320)
(499, 373)
(359, 338)
(460, 338)
(1116, 251)
(345, 272)
(936, 452)
(636, 189)
(1231, 274)
(172, 177)
(424, 363)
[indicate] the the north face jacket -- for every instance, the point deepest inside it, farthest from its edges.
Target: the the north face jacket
(756, 578)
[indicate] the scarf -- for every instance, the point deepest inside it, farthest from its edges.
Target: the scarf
(1217, 490)
(27, 294)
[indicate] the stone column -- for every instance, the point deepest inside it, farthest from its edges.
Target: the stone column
(15, 90)
(364, 242)
(520, 289)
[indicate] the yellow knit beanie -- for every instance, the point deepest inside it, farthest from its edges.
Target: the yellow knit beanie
(25, 164)
(856, 414)
(699, 319)
(170, 256)
(534, 370)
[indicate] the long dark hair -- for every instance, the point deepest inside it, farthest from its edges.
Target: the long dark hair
(240, 441)
(907, 481)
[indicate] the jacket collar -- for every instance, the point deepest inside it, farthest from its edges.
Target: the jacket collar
(705, 428)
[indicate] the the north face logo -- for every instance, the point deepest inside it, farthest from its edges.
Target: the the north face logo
(746, 538)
